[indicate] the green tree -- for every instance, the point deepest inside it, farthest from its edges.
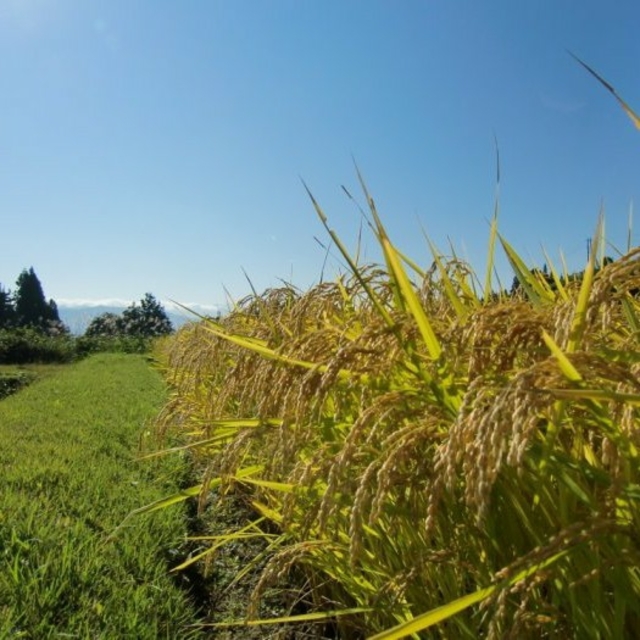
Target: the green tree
(105, 325)
(7, 312)
(31, 307)
(147, 320)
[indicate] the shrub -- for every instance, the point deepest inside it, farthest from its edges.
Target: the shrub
(88, 344)
(27, 345)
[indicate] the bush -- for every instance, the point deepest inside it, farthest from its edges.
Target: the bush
(88, 344)
(146, 320)
(28, 345)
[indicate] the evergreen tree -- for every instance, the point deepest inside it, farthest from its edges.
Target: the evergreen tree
(7, 312)
(31, 307)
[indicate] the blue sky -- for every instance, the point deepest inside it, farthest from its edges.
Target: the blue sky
(159, 146)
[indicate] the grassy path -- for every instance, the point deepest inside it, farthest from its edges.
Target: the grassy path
(68, 478)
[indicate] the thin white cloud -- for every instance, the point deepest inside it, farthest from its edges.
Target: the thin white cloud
(561, 105)
(75, 303)
(86, 302)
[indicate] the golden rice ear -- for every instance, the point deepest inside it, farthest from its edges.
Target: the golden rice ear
(628, 110)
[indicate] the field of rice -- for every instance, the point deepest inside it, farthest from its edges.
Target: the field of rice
(428, 456)
(434, 458)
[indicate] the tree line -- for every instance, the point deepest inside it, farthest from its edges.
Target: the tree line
(27, 308)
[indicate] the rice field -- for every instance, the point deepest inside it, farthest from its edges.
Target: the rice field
(435, 458)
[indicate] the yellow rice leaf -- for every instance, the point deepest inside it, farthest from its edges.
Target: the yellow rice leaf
(221, 540)
(628, 307)
(305, 617)
(589, 455)
(267, 512)
(194, 559)
(407, 291)
(245, 423)
(233, 536)
(270, 484)
(627, 109)
(596, 394)
(192, 445)
(537, 290)
(185, 494)
(570, 372)
(260, 346)
(352, 264)
(181, 496)
(580, 312)
(426, 620)
(270, 354)
(229, 428)
(557, 280)
(493, 234)
(461, 311)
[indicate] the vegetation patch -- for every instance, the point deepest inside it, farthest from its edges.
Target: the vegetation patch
(70, 560)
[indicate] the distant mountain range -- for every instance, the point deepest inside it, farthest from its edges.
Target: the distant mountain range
(77, 316)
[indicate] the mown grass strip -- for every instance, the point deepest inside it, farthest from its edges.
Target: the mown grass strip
(68, 478)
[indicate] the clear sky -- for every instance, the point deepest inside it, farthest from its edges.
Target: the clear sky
(156, 145)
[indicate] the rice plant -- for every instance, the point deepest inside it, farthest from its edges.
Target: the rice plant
(414, 443)
(438, 462)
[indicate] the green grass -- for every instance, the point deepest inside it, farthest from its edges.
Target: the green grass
(71, 565)
(15, 377)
